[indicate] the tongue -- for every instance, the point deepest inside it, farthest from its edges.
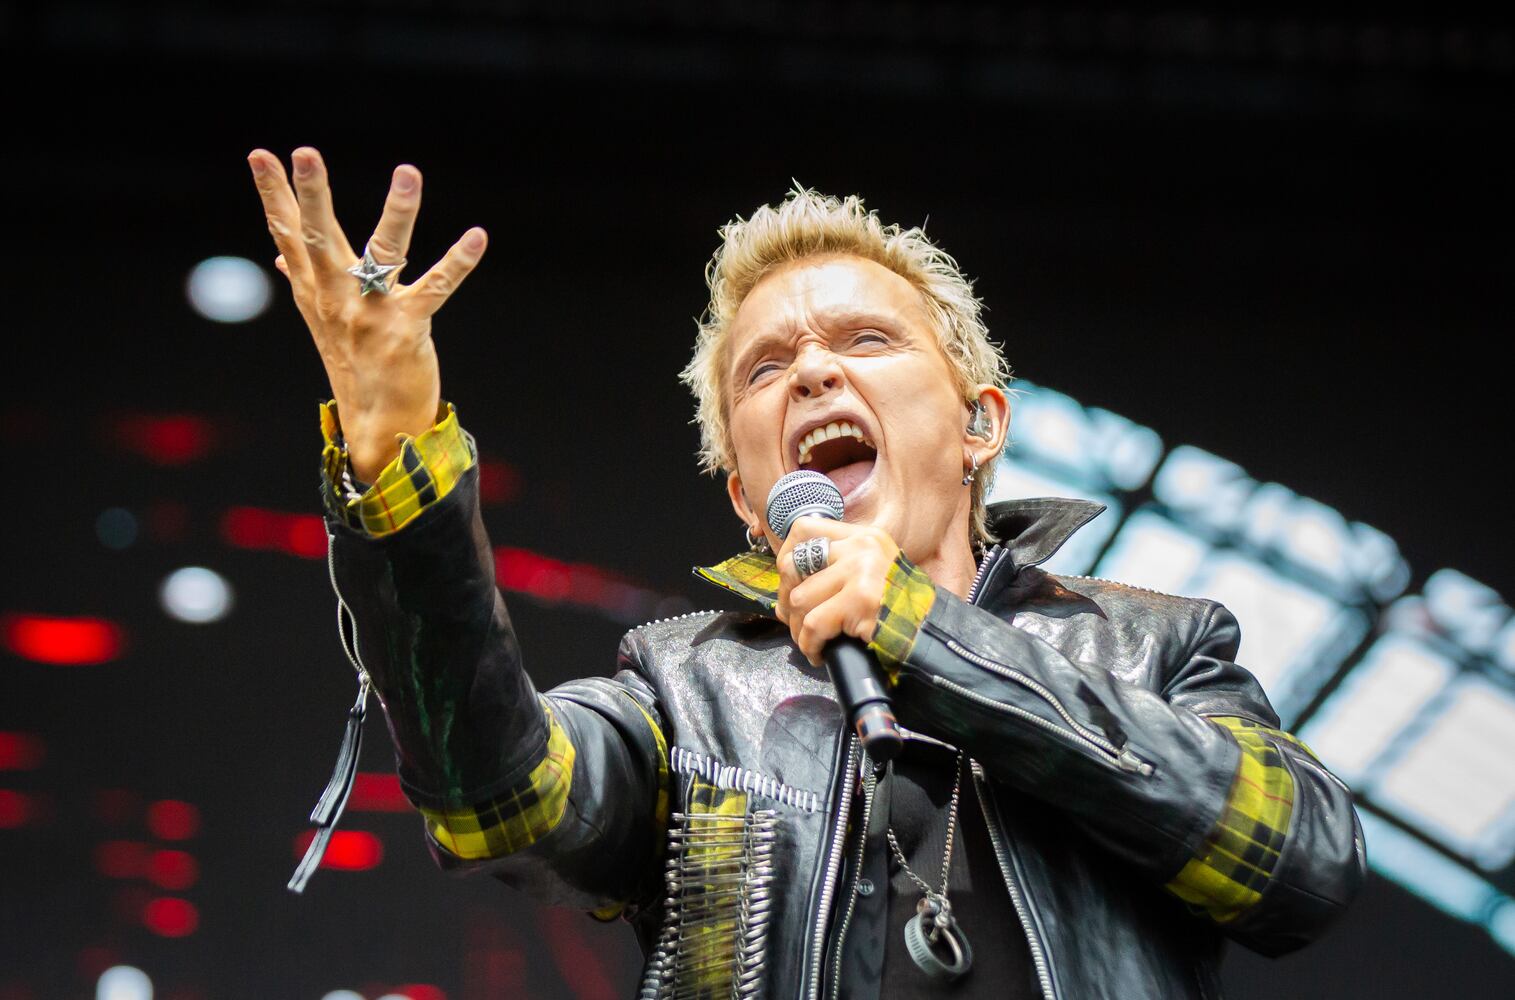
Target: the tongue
(849, 477)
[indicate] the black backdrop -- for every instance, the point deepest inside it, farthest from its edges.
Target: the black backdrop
(1302, 266)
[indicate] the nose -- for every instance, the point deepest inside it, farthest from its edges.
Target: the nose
(815, 372)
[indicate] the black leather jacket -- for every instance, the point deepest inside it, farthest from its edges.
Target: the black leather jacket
(1081, 702)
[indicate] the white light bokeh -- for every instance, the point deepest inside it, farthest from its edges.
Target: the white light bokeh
(195, 594)
(343, 995)
(124, 982)
(229, 289)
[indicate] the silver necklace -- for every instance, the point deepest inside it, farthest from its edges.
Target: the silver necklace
(933, 930)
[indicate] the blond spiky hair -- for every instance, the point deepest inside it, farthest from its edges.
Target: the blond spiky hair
(809, 224)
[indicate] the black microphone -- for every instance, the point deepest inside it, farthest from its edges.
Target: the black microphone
(854, 670)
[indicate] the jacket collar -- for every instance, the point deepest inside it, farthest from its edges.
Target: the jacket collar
(1030, 532)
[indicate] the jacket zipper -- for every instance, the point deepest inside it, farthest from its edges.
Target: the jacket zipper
(833, 872)
(869, 785)
(983, 570)
(1122, 758)
(1017, 898)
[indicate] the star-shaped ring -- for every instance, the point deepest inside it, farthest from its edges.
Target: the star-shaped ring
(373, 276)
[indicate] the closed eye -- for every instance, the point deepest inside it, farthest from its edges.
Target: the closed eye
(763, 369)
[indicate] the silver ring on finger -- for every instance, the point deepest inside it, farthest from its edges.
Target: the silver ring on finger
(373, 276)
(812, 556)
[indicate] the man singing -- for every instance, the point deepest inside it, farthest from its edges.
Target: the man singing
(1091, 796)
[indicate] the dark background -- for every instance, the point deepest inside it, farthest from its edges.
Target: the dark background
(1281, 235)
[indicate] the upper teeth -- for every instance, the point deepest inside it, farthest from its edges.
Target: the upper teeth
(835, 429)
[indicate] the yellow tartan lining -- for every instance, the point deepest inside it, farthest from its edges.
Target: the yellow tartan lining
(753, 575)
(426, 470)
(1239, 856)
(907, 600)
(519, 818)
(908, 596)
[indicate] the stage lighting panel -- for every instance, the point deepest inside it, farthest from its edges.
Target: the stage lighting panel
(1454, 780)
(1381, 698)
(1504, 647)
(1294, 638)
(1203, 488)
(1154, 552)
(1502, 924)
(1090, 448)
(1470, 613)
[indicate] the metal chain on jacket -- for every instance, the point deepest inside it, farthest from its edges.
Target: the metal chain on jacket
(899, 855)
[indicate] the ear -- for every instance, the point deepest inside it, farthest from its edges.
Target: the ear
(740, 504)
(987, 442)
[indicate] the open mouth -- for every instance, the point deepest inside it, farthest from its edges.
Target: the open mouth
(841, 451)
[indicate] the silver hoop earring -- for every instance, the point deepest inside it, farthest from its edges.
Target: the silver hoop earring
(759, 544)
(968, 479)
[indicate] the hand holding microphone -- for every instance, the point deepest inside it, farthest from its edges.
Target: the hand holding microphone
(853, 669)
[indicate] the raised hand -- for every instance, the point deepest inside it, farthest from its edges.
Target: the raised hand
(377, 347)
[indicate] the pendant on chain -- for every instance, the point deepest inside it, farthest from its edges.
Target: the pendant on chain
(935, 941)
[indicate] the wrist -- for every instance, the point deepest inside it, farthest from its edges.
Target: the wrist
(374, 441)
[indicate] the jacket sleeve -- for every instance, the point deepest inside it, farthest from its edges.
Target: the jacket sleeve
(1194, 785)
(562, 793)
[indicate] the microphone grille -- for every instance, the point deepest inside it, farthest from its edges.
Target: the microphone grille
(798, 494)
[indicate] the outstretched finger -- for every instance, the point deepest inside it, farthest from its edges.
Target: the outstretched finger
(330, 254)
(281, 210)
(436, 286)
(391, 240)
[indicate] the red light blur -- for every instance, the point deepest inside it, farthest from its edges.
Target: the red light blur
(172, 820)
(16, 809)
(551, 579)
(498, 482)
(420, 991)
(173, 870)
(166, 439)
(302, 535)
(580, 967)
(374, 792)
(121, 858)
(168, 916)
(20, 751)
(64, 642)
(348, 850)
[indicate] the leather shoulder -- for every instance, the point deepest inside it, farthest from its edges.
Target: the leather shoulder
(1140, 635)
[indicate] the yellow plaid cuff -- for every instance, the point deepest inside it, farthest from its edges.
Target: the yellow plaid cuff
(424, 472)
(908, 596)
(1233, 868)
(753, 575)
(517, 819)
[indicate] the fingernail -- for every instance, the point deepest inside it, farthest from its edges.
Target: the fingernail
(258, 167)
(405, 181)
(303, 167)
(474, 240)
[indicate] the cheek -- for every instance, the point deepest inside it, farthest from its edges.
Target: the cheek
(755, 428)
